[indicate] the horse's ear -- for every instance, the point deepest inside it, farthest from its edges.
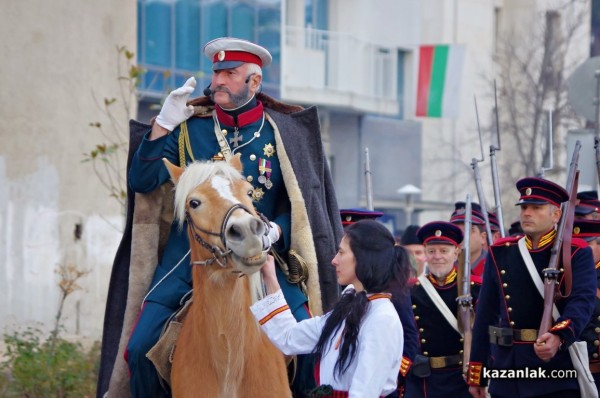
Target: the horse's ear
(174, 171)
(236, 162)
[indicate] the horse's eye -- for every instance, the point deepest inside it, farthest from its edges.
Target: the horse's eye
(194, 203)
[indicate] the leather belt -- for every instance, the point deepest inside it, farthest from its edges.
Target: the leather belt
(527, 335)
(443, 362)
(505, 337)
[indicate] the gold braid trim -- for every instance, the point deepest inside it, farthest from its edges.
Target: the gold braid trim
(184, 144)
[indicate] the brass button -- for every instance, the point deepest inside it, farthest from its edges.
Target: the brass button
(462, 340)
(597, 330)
(598, 318)
(507, 297)
(414, 306)
(460, 362)
(253, 157)
(502, 272)
(249, 178)
(505, 285)
(423, 341)
(425, 353)
(421, 330)
(595, 355)
(512, 323)
(224, 132)
(461, 352)
(596, 343)
(509, 309)
(417, 318)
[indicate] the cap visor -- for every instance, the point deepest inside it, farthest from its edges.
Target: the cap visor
(226, 65)
(531, 202)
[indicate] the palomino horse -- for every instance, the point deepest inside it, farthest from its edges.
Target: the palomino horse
(221, 351)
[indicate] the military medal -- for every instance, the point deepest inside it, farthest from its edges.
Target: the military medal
(264, 169)
(236, 139)
(269, 150)
(257, 194)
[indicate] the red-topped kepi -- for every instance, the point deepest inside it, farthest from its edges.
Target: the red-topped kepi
(230, 52)
(440, 232)
(539, 191)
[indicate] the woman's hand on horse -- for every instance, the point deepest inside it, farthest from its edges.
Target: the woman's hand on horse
(269, 276)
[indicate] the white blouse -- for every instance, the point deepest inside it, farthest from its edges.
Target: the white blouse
(374, 370)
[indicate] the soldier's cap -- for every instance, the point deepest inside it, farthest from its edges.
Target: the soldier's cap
(515, 229)
(350, 216)
(586, 229)
(409, 236)
(538, 191)
(494, 223)
(440, 232)
(588, 203)
(458, 215)
(230, 52)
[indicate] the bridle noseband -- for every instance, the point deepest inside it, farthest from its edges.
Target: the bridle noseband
(218, 254)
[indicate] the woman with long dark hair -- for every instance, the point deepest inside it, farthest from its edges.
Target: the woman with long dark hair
(359, 343)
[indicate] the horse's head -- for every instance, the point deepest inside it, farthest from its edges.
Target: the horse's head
(214, 199)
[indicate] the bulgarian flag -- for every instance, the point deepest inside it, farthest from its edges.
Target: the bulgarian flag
(440, 72)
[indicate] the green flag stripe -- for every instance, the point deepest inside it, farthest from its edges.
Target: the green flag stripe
(438, 77)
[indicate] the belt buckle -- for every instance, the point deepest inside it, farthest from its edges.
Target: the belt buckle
(437, 362)
(528, 335)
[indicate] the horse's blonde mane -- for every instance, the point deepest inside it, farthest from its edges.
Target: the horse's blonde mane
(195, 174)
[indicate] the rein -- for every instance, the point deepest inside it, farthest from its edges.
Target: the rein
(218, 254)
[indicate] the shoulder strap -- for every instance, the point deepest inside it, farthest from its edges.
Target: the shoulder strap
(537, 281)
(225, 149)
(439, 303)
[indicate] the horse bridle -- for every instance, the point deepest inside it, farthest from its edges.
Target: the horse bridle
(218, 254)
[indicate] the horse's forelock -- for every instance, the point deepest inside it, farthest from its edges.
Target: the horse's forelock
(195, 174)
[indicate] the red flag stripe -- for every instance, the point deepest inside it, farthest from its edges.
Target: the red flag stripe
(425, 65)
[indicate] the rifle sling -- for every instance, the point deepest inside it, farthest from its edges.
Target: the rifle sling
(439, 303)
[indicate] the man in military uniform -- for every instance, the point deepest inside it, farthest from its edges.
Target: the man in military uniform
(589, 230)
(494, 228)
(589, 206)
(510, 307)
(401, 302)
(438, 369)
(411, 242)
(478, 237)
(282, 157)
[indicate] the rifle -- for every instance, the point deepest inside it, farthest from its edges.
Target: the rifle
(464, 299)
(477, 177)
(368, 185)
(562, 241)
(550, 148)
(495, 180)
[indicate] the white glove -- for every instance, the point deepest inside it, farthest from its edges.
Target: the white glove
(174, 111)
(271, 235)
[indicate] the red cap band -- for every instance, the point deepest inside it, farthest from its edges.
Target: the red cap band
(240, 56)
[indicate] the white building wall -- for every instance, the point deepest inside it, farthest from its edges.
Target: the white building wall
(57, 55)
(450, 145)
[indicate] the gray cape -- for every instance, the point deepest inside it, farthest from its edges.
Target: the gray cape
(316, 231)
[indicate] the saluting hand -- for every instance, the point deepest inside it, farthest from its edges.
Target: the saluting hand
(175, 111)
(546, 346)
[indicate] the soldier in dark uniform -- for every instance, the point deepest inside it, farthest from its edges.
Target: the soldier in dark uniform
(589, 230)
(510, 306)
(494, 227)
(478, 237)
(410, 242)
(401, 302)
(589, 206)
(515, 229)
(438, 369)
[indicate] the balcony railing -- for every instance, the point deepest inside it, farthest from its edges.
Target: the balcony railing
(338, 69)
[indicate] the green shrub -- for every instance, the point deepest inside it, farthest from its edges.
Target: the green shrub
(39, 367)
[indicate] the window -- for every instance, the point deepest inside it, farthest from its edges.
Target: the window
(171, 34)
